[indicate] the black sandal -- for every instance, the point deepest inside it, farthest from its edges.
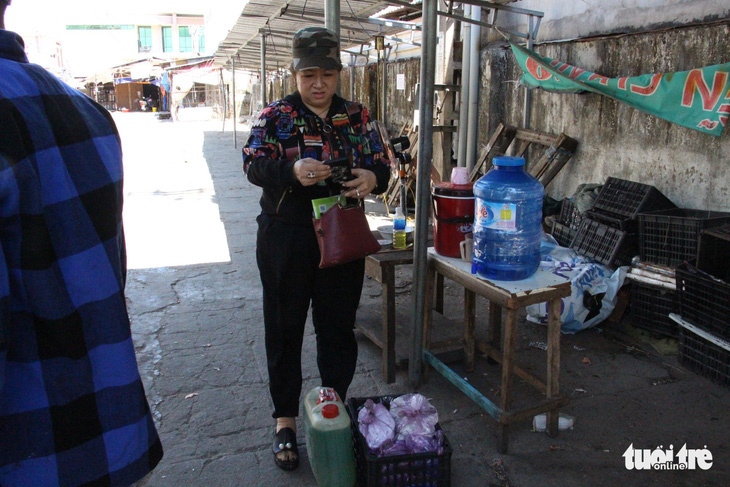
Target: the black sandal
(285, 440)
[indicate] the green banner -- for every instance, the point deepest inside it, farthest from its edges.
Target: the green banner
(698, 99)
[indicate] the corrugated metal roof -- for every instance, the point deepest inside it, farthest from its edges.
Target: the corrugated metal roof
(280, 19)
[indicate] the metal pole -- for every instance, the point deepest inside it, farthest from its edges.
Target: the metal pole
(353, 58)
(263, 70)
(423, 184)
(332, 22)
(220, 99)
(332, 16)
(474, 73)
(233, 71)
(528, 93)
(464, 93)
(384, 90)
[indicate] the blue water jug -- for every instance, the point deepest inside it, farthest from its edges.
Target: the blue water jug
(507, 221)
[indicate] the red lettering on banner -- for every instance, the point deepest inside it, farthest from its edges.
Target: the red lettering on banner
(723, 121)
(601, 79)
(647, 90)
(576, 72)
(724, 108)
(696, 84)
(622, 83)
(564, 67)
(707, 124)
(536, 70)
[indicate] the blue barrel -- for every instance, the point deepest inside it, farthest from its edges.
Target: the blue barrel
(507, 221)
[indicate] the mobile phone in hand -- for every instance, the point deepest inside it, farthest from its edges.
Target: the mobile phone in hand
(341, 172)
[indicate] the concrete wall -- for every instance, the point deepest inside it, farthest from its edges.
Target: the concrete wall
(689, 167)
(587, 18)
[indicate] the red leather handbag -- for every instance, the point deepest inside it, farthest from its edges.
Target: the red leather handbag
(344, 235)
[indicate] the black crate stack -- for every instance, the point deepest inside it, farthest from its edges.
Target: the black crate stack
(671, 236)
(612, 230)
(566, 226)
(608, 233)
(704, 306)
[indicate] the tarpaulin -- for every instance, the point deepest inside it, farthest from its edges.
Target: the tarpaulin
(698, 99)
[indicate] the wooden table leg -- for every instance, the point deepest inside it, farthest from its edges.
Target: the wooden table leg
(508, 363)
(469, 319)
(494, 330)
(439, 294)
(388, 358)
(553, 363)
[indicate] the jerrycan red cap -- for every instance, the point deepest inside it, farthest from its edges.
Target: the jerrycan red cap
(330, 411)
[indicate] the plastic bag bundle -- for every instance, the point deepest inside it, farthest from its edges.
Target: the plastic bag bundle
(414, 415)
(408, 427)
(376, 424)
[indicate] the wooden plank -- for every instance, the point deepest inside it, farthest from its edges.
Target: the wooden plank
(498, 144)
(387, 362)
(469, 325)
(463, 385)
(558, 155)
(522, 146)
(548, 156)
(553, 362)
(541, 138)
(494, 331)
(439, 294)
(496, 355)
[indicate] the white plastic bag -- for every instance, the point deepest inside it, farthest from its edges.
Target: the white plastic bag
(376, 424)
(594, 288)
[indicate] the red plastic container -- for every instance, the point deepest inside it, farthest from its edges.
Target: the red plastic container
(453, 216)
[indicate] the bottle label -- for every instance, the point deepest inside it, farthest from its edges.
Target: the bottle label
(497, 216)
(327, 394)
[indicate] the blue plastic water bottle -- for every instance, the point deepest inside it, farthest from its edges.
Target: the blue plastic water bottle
(507, 221)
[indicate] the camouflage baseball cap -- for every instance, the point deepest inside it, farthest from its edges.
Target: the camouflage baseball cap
(315, 47)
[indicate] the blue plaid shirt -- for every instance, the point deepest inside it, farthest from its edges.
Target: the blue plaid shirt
(72, 407)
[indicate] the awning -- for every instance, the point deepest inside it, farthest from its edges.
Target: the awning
(279, 20)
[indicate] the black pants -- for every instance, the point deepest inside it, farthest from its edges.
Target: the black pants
(288, 260)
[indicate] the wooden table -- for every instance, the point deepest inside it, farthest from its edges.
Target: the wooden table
(381, 267)
(543, 286)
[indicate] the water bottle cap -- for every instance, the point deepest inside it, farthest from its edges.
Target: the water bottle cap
(508, 161)
(330, 411)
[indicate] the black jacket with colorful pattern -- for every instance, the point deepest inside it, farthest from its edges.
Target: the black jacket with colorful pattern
(287, 131)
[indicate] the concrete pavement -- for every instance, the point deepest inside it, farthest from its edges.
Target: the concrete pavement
(195, 302)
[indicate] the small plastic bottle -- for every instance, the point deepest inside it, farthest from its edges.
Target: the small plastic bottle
(399, 229)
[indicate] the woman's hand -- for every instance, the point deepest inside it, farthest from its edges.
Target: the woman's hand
(362, 185)
(311, 171)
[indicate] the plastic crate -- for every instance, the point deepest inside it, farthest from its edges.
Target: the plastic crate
(713, 252)
(607, 245)
(417, 469)
(569, 214)
(669, 237)
(628, 198)
(650, 308)
(704, 357)
(704, 300)
(630, 225)
(563, 234)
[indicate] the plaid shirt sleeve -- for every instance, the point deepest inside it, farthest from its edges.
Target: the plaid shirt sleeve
(72, 406)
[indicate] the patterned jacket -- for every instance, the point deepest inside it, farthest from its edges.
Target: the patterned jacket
(72, 406)
(287, 131)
